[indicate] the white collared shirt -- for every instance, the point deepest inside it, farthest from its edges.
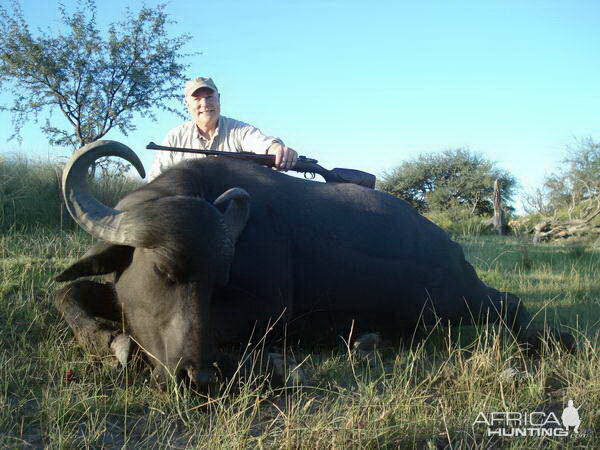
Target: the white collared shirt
(230, 136)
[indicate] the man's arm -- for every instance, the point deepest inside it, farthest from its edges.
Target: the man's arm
(162, 160)
(285, 157)
(253, 140)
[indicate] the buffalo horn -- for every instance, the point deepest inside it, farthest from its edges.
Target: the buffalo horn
(238, 210)
(99, 220)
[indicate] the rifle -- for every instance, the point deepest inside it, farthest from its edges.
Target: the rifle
(305, 165)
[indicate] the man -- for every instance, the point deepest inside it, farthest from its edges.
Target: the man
(208, 130)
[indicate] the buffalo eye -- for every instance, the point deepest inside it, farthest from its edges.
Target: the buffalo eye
(164, 275)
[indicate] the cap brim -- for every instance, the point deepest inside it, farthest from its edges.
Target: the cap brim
(194, 88)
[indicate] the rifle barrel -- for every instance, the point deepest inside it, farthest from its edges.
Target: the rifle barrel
(303, 165)
(260, 158)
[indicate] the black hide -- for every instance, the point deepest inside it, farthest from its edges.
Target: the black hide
(319, 255)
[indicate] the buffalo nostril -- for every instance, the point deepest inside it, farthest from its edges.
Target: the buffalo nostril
(201, 377)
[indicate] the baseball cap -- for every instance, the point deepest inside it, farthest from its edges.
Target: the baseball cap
(197, 83)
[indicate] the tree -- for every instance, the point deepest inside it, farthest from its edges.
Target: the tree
(577, 181)
(97, 82)
(439, 181)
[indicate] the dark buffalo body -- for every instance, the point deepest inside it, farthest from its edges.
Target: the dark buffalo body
(320, 257)
(338, 250)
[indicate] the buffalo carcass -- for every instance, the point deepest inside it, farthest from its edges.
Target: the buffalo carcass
(215, 249)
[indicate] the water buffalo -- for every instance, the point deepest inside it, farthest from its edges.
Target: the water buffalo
(215, 248)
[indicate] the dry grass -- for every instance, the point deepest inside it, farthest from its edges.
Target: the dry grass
(424, 396)
(30, 194)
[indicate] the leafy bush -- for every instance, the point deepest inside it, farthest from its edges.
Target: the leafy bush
(439, 181)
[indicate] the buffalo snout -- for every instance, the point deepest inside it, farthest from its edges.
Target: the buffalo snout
(201, 378)
(189, 374)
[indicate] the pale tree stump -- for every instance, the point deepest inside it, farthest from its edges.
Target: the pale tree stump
(499, 220)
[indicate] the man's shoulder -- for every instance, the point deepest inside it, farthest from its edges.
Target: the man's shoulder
(180, 136)
(182, 128)
(228, 122)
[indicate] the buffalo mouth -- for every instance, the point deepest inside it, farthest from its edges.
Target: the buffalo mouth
(202, 379)
(199, 378)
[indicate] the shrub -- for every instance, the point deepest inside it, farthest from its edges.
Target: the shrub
(438, 181)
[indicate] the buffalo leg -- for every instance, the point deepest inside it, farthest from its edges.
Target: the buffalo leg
(83, 304)
(509, 308)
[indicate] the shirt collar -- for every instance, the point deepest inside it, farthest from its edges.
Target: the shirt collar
(202, 138)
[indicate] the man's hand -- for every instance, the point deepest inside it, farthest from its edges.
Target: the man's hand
(285, 157)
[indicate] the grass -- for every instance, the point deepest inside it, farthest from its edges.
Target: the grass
(426, 396)
(53, 394)
(30, 194)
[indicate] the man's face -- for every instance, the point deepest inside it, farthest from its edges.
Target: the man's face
(204, 104)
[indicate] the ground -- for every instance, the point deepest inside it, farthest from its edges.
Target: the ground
(426, 396)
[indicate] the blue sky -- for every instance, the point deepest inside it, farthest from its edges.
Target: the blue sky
(367, 85)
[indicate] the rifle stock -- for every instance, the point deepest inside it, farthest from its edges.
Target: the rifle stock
(303, 165)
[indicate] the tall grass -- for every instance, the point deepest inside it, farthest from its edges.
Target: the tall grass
(30, 193)
(424, 394)
(52, 393)
(460, 222)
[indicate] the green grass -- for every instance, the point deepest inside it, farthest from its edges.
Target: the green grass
(422, 396)
(460, 222)
(426, 396)
(30, 194)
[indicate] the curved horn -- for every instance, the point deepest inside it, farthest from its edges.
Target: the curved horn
(99, 220)
(237, 212)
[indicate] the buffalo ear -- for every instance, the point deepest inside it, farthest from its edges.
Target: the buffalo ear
(101, 259)
(238, 210)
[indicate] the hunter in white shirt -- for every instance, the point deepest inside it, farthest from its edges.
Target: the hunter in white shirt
(210, 131)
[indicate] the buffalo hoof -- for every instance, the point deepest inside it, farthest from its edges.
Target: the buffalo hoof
(568, 341)
(120, 346)
(367, 342)
(535, 341)
(287, 370)
(365, 348)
